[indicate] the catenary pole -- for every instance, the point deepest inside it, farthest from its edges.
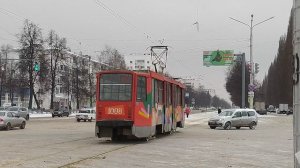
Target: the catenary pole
(251, 92)
(251, 26)
(296, 88)
(243, 80)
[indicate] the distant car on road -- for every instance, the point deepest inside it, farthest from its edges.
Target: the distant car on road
(259, 107)
(10, 119)
(290, 111)
(60, 113)
(86, 114)
(20, 111)
(6, 105)
(283, 108)
(271, 109)
(234, 118)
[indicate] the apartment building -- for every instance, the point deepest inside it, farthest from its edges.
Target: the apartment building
(73, 68)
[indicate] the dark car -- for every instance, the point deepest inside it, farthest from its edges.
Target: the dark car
(262, 112)
(271, 109)
(289, 112)
(60, 113)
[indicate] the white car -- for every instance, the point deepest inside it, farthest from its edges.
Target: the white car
(20, 111)
(86, 114)
(9, 120)
(234, 118)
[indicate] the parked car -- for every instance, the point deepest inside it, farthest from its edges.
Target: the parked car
(6, 105)
(60, 113)
(86, 114)
(290, 111)
(271, 109)
(10, 119)
(234, 118)
(20, 111)
(283, 108)
(2, 108)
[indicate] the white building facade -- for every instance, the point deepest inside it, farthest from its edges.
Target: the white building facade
(139, 62)
(64, 91)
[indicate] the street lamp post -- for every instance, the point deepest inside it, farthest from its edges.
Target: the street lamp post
(251, 26)
(0, 82)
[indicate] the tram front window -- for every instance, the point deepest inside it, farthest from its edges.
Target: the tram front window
(116, 87)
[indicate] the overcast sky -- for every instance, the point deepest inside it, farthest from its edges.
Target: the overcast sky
(131, 26)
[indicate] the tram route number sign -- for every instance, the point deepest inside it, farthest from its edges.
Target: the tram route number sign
(218, 58)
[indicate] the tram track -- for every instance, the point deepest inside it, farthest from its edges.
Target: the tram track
(97, 156)
(44, 157)
(21, 162)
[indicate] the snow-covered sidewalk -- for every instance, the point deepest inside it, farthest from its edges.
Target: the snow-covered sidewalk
(45, 115)
(203, 117)
(192, 117)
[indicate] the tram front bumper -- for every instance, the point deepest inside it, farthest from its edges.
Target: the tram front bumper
(114, 123)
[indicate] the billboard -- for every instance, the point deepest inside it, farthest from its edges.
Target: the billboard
(218, 58)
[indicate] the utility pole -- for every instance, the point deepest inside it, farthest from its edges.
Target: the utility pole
(90, 82)
(243, 80)
(1, 80)
(296, 88)
(243, 61)
(251, 26)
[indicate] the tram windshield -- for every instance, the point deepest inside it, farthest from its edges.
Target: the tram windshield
(116, 87)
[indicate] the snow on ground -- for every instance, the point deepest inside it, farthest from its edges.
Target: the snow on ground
(203, 117)
(40, 115)
(45, 115)
(193, 117)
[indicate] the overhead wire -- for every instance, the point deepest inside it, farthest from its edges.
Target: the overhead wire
(121, 18)
(22, 19)
(9, 13)
(3, 29)
(8, 39)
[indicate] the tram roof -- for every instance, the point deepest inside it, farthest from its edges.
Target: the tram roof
(146, 73)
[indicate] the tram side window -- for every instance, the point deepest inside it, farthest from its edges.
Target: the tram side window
(182, 97)
(174, 95)
(158, 91)
(179, 96)
(155, 92)
(169, 94)
(141, 89)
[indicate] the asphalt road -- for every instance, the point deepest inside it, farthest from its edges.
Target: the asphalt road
(63, 142)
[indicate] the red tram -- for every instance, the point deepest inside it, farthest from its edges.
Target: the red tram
(139, 104)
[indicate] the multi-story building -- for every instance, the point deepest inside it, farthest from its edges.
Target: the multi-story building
(9, 89)
(72, 82)
(139, 62)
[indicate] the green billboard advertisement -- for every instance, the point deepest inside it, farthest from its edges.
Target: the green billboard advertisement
(218, 58)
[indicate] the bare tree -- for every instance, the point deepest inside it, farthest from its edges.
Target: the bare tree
(217, 102)
(67, 83)
(94, 67)
(112, 59)
(31, 51)
(57, 47)
(80, 78)
(5, 49)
